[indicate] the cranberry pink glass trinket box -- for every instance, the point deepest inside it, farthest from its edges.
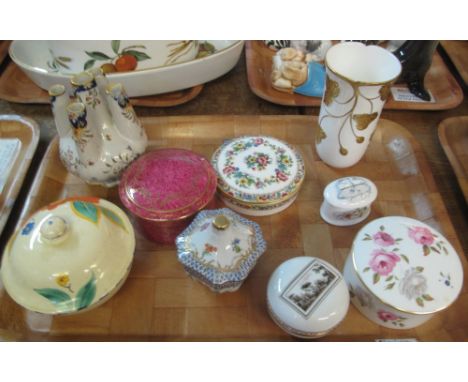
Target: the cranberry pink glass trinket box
(165, 188)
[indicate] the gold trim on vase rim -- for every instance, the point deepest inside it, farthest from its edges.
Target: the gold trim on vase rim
(362, 83)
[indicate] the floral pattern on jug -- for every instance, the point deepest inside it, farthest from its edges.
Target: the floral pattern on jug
(98, 137)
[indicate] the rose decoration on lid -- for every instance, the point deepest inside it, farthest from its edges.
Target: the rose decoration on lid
(401, 271)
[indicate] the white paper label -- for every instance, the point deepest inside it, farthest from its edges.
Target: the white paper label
(9, 149)
(396, 340)
(404, 95)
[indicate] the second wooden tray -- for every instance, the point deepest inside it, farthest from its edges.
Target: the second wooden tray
(441, 83)
(159, 301)
(15, 86)
(453, 135)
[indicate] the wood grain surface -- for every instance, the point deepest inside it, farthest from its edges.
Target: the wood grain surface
(27, 131)
(15, 86)
(441, 83)
(4, 45)
(458, 53)
(160, 302)
(453, 135)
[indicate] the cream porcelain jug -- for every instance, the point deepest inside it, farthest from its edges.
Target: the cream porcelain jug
(100, 134)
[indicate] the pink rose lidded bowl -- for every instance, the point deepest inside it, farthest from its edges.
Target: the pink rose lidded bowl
(400, 272)
(165, 188)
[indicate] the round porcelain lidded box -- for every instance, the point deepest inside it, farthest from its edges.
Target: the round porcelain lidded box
(347, 201)
(258, 175)
(401, 271)
(307, 297)
(220, 248)
(70, 256)
(165, 188)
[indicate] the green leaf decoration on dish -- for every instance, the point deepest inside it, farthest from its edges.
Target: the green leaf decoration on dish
(427, 297)
(86, 294)
(115, 44)
(133, 47)
(404, 257)
(98, 56)
(140, 56)
(426, 250)
(87, 211)
(89, 64)
(390, 286)
(366, 269)
(113, 217)
(420, 301)
(376, 278)
(55, 296)
(363, 120)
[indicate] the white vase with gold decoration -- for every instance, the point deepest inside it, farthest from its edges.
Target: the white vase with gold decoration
(357, 85)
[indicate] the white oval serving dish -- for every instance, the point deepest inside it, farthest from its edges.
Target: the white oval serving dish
(32, 57)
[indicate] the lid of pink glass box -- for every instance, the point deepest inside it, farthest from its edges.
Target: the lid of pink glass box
(167, 184)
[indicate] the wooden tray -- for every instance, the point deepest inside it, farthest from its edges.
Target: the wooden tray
(453, 135)
(159, 301)
(4, 45)
(439, 81)
(458, 53)
(15, 86)
(27, 131)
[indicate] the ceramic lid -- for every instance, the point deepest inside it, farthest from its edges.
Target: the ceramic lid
(258, 169)
(307, 296)
(167, 184)
(350, 192)
(69, 256)
(407, 264)
(220, 247)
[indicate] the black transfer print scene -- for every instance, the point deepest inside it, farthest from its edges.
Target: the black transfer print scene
(306, 291)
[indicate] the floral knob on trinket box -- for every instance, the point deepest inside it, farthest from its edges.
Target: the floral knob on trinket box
(307, 297)
(70, 256)
(220, 248)
(347, 201)
(400, 272)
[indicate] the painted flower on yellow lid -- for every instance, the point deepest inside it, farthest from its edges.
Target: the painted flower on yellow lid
(70, 256)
